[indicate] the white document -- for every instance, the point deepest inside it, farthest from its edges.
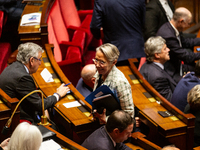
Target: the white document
(50, 145)
(72, 104)
(46, 75)
(31, 19)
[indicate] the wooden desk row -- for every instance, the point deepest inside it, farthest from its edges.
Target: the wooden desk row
(177, 129)
(39, 33)
(75, 120)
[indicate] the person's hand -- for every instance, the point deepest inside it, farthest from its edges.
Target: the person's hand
(186, 74)
(5, 143)
(101, 117)
(62, 90)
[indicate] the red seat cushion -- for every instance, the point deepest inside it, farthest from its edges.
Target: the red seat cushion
(5, 51)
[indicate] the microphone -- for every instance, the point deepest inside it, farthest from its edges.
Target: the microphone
(44, 120)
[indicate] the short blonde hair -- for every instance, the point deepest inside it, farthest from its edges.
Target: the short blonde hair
(110, 51)
(193, 97)
(25, 137)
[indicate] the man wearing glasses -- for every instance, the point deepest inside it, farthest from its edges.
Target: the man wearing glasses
(17, 82)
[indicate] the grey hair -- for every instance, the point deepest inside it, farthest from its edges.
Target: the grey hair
(181, 13)
(193, 97)
(28, 50)
(152, 46)
(25, 137)
(110, 51)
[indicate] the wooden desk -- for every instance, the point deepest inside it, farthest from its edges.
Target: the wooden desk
(139, 142)
(7, 106)
(65, 142)
(39, 33)
(75, 121)
(177, 129)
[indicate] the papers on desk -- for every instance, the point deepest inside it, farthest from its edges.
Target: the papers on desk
(72, 104)
(50, 145)
(46, 75)
(31, 19)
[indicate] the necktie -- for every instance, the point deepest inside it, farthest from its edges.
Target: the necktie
(99, 81)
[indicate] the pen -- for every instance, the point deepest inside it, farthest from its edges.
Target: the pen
(68, 84)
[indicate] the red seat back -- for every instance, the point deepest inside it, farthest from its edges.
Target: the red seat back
(69, 13)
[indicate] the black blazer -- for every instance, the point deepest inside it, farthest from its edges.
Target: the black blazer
(123, 25)
(178, 53)
(16, 82)
(155, 17)
(158, 79)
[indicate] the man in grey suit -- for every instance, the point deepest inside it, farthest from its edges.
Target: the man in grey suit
(16, 81)
(111, 136)
(153, 71)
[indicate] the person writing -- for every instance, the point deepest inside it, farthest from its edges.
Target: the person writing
(16, 81)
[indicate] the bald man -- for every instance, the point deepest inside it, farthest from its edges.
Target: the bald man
(181, 49)
(86, 82)
(170, 147)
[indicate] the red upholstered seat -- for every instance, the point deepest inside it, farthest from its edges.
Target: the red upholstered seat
(142, 61)
(72, 64)
(5, 52)
(5, 48)
(79, 20)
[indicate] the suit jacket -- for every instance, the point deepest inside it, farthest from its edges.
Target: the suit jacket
(197, 124)
(178, 53)
(179, 97)
(155, 17)
(159, 79)
(100, 140)
(83, 88)
(16, 82)
(13, 9)
(123, 24)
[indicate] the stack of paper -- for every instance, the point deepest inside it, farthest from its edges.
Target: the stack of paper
(31, 19)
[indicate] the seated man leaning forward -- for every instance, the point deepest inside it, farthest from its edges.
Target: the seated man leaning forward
(153, 71)
(111, 136)
(16, 81)
(85, 84)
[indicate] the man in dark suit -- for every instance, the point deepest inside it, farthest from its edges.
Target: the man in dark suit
(153, 71)
(122, 23)
(16, 81)
(85, 84)
(179, 97)
(111, 136)
(172, 33)
(156, 15)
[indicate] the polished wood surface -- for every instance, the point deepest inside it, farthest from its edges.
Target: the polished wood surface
(7, 106)
(64, 142)
(163, 131)
(38, 33)
(75, 121)
(139, 142)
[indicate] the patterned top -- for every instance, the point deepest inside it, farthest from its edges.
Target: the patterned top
(120, 86)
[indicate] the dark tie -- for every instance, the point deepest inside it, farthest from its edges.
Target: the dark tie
(99, 81)
(117, 146)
